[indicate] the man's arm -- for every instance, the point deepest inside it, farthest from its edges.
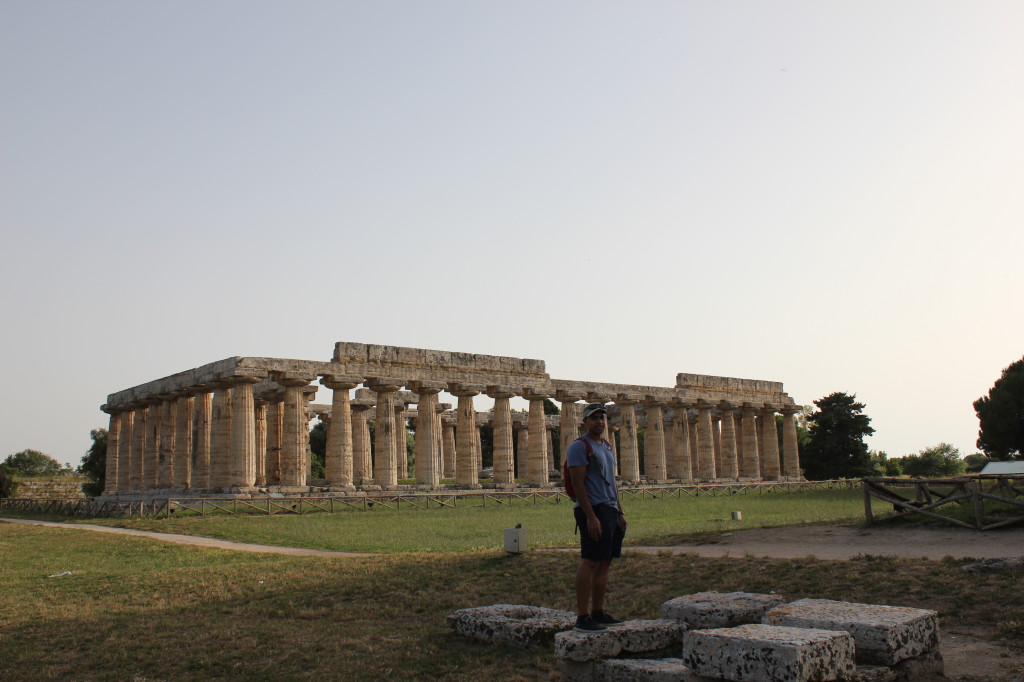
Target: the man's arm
(579, 476)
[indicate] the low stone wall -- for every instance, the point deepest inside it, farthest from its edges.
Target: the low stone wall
(49, 490)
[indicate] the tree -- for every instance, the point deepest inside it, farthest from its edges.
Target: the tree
(94, 463)
(835, 439)
(32, 463)
(976, 462)
(882, 465)
(318, 448)
(1001, 415)
(6, 484)
(939, 461)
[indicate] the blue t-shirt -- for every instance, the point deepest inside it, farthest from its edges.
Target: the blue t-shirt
(600, 480)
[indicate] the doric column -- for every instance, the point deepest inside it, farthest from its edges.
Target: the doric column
(242, 460)
(168, 419)
(154, 421)
(679, 463)
(362, 457)
(182, 460)
(425, 455)
(439, 410)
(522, 436)
(504, 473)
(790, 450)
(569, 423)
(750, 466)
(220, 435)
(113, 461)
(629, 451)
(716, 438)
(308, 416)
(770, 436)
(260, 414)
(140, 431)
(124, 451)
(401, 443)
(338, 458)
(654, 443)
(537, 463)
(728, 439)
(294, 435)
(202, 411)
(466, 471)
(691, 420)
(448, 448)
(705, 442)
(478, 445)
(385, 468)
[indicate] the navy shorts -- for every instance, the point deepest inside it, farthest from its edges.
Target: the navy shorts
(610, 545)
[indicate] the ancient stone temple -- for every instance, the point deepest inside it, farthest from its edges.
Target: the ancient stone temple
(240, 426)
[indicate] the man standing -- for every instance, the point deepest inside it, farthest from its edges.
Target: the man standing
(599, 518)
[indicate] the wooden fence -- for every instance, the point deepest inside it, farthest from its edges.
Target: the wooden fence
(978, 502)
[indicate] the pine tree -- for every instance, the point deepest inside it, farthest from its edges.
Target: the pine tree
(835, 446)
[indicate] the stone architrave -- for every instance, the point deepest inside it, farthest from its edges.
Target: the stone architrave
(110, 475)
(168, 414)
(202, 412)
(750, 466)
(140, 431)
(182, 474)
(338, 457)
(522, 436)
(629, 454)
(425, 456)
(260, 415)
(654, 450)
(242, 460)
(220, 435)
(790, 450)
(385, 468)
(153, 423)
(679, 466)
(275, 431)
(537, 466)
(124, 450)
(728, 439)
(362, 455)
(448, 449)
(705, 442)
(466, 471)
(770, 436)
(504, 469)
(294, 436)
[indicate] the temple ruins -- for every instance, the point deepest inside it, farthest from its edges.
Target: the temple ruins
(240, 426)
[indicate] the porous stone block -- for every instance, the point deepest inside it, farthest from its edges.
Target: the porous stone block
(769, 653)
(884, 634)
(720, 609)
(644, 670)
(514, 624)
(632, 637)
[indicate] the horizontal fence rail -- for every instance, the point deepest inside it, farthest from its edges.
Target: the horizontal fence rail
(392, 500)
(980, 502)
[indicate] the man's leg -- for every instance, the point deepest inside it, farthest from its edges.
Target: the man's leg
(599, 584)
(585, 585)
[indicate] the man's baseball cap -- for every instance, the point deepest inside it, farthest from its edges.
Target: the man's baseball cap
(593, 408)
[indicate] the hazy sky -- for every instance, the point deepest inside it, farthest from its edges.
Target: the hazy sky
(830, 195)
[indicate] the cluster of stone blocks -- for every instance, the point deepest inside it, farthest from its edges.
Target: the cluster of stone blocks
(736, 636)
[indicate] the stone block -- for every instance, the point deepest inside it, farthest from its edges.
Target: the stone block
(513, 624)
(873, 673)
(769, 653)
(644, 670)
(720, 609)
(632, 637)
(884, 634)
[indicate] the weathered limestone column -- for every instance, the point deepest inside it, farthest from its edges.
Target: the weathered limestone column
(569, 424)
(439, 410)
(113, 461)
(691, 421)
(705, 442)
(679, 464)
(522, 435)
(182, 475)
(790, 450)
(260, 415)
(654, 455)
(466, 471)
(737, 420)
(716, 438)
(448, 449)
(294, 436)
(728, 439)
(478, 447)
(750, 467)
(153, 422)
(425, 456)
(629, 451)
(770, 435)
(537, 464)
(220, 435)
(338, 457)
(168, 417)
(504, 469)
(202, 415)
(140, 429)
(385, 468)
(401, 445)
(242, 461)
(124, 451)
(362, 457)
(307, 450)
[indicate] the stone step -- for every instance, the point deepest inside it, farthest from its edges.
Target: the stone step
(720, 609)
(513, 624)
(632, 637)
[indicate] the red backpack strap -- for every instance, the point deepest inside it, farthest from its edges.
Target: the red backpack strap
(589, 447)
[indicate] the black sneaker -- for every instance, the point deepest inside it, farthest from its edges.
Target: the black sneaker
(605, 619)
(587, 624)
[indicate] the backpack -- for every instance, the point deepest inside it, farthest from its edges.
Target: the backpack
(566, 479)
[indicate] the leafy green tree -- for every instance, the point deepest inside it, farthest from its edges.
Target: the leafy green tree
(94, 463)
(976, 462)
(550, 407)
(940, 461)
(1001, 415)
(318, 446)
(835, 440)
(6, 483)
(883, 465)
(32, 463)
